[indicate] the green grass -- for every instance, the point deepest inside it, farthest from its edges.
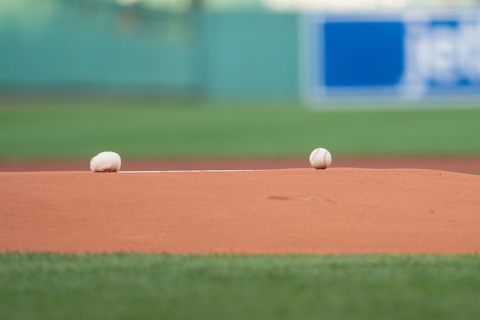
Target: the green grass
(139, 131)
(229, 287)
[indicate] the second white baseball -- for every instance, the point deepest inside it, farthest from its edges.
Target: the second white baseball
(107, 161)
(320, 158)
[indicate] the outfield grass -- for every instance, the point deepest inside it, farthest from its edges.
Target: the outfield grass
(139, 131)
(228, 287)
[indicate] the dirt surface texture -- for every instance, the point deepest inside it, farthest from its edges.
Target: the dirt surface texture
(300, 211)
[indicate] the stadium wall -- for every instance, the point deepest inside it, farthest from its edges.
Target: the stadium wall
(111, 48)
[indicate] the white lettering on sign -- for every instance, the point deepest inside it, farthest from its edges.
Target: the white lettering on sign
(442, 54)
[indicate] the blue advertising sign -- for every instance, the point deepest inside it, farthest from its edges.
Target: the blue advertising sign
(408, 55)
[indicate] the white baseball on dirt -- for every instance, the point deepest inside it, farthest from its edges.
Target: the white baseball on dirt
(320, 158)
(106, 161)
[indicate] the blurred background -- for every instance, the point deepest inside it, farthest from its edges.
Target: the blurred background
(239, 84)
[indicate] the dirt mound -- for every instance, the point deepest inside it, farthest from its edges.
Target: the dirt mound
(470, 164)
(334, 211)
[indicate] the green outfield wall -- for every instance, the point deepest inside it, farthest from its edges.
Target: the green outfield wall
(101, 46)
(252, 54)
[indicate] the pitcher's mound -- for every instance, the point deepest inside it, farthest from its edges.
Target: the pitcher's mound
(335, 211)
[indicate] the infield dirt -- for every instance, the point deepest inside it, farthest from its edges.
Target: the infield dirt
(301, 211)
(468, 164)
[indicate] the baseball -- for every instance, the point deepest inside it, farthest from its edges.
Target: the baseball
(107, 161)
(320, 158)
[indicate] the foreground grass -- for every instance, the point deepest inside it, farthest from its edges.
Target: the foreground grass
(227, 287)
(79, 131)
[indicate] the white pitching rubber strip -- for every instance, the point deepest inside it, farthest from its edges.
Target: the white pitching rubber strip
(188, 171)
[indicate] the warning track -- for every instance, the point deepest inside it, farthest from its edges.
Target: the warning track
(301, 211)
